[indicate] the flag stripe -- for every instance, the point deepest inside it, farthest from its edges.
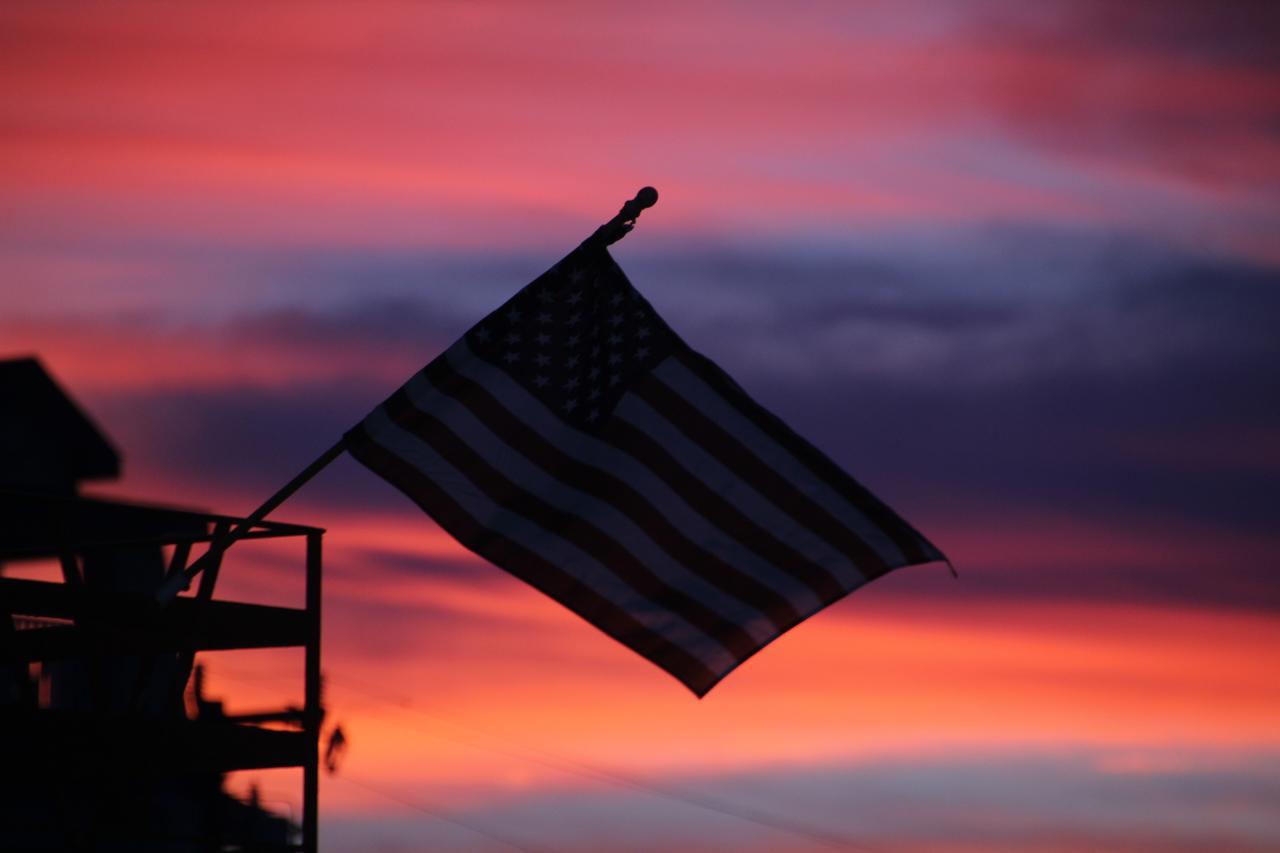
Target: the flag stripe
(575, 529)
(719, 511)
(548, 544)
(462, 422)
(610, 490)
(764, 480)
(736, 491)
(915, 547)
(719, 411)
(530, 567)
(677, 505)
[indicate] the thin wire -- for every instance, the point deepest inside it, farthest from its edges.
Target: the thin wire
(584, 770)
(609, 775)
(442, 815)
(416, 804)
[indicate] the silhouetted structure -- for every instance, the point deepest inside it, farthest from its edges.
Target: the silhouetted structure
(99, 750)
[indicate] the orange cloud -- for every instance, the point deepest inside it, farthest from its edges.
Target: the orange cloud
(439, 125)
(871, 678)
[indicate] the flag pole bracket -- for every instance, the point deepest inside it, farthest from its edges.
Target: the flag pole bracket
(177, 581)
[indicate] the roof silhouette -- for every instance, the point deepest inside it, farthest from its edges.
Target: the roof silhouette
(47, 442)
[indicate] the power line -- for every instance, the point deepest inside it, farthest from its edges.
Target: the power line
(609, 775)
(442, 815)
(582, 769)
(416, 803)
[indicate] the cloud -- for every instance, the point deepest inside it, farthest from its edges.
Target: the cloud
(1114, 402)
(1048, 800)
(1011, 305)
(337, 130)
(1233, 35)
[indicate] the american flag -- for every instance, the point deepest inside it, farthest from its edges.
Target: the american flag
(574, 440)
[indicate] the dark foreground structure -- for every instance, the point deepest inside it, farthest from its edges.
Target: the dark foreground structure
(107, 742)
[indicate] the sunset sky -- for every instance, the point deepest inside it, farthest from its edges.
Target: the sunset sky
(1014, 265)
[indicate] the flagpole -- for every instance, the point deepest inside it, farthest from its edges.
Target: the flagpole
(606, 235)
(178, 581)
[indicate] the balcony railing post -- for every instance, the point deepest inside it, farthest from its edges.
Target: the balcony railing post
(313, 711)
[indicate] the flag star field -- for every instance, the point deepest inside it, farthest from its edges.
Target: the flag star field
(575, 338)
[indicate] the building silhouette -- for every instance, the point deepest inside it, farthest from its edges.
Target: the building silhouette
(107, 741)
